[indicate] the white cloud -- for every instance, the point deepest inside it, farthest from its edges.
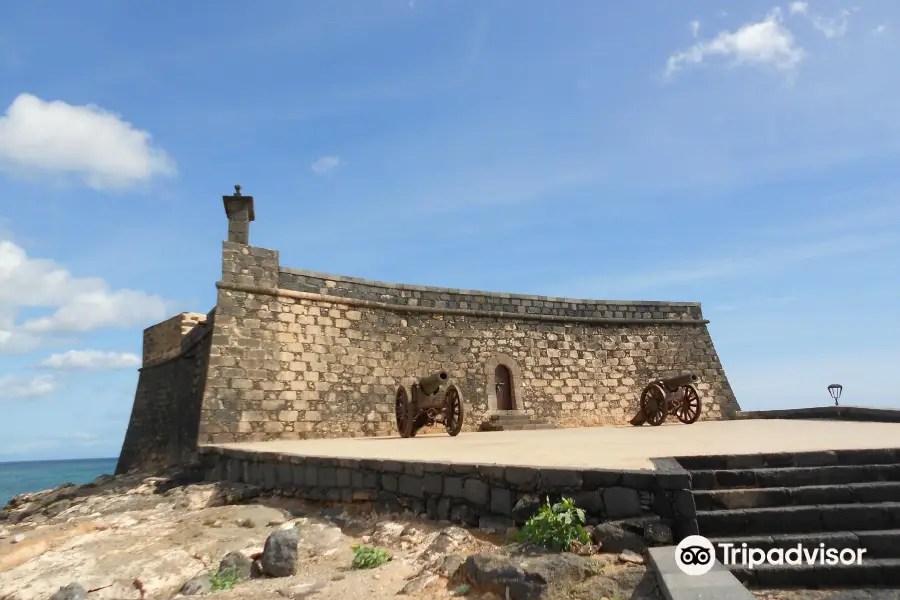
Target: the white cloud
(799, 8)
(14, 388)
(91, 360)
(326, 164)
(79, 304)
(86, 142)
(767, 42)
(833, 28)
(880, 29)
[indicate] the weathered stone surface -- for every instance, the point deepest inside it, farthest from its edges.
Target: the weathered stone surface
(658, 534)
(614, 537)
(237, 563)
(526, 507)
(279, 558)
(73, 591)
(525, 579)
(621, 502)
(196, 586)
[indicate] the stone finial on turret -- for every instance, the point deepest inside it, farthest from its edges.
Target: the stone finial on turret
(239, 210)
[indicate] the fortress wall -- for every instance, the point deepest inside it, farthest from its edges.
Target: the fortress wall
(297, 354)
(163, 426)
(396, 294)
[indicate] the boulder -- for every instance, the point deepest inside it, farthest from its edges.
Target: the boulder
(525, 508)
(200, 584)
(238, 563)
(73, 591)
(615, 537)
(528, 578)
(658, 534)
(279, 558)
(495, 574)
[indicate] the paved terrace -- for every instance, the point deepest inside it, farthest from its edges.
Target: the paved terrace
(601, 447)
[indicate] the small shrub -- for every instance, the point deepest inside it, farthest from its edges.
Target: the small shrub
(223, 580)
(556, 526)
(366, 557)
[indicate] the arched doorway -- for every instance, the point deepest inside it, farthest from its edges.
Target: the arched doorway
(503, 387)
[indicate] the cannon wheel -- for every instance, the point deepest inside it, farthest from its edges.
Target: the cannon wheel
(688, 409)
(401, 411)
(655, 404)
(454, 413)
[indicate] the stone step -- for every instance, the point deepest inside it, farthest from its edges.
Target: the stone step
(799, 519)
(793, 476)
(865, 493)
(869, 574)
(876, 543)
(794, 459)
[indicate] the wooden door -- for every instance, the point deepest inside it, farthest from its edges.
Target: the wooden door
(503, 385)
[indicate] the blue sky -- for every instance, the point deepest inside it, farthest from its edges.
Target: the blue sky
(744, 155)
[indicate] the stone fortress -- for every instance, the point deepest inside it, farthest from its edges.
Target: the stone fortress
(293, 354)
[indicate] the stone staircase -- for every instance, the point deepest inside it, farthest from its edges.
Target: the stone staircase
(839, 499)
(512, 420)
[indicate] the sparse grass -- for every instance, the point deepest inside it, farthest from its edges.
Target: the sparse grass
(555, 526)
(367, 557)
(223, 580)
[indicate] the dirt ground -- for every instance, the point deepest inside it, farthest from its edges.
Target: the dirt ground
(126, 539)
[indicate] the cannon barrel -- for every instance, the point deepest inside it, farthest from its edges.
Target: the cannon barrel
(431, 384)
(673, 383)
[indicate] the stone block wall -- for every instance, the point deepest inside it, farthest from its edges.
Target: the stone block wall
(163, 340)
(163, 428)
(474, 495)
(297, 354)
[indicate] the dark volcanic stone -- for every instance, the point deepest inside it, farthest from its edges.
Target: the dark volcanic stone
(525, 508)
(237, 563)
(198, 585)
(73, 591)
(279, 558)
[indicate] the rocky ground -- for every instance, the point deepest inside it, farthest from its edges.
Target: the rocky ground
(147, 538)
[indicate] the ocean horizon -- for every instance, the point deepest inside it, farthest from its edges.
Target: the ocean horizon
(22, 477)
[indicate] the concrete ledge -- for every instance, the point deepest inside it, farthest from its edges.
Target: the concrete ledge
(718, 584)
(838, 413)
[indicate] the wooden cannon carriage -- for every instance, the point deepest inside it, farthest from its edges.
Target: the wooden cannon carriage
(675, 396)
(423, 405)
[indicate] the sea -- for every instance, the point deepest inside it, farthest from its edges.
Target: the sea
(35, 476)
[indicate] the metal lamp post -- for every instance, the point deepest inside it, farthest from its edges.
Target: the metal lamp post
(835, 390)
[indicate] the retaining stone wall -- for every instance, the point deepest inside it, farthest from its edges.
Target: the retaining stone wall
(466, 494)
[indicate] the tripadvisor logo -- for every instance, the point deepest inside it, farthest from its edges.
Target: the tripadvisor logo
(696, 555)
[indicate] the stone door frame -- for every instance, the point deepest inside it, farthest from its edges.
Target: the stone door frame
(515, 373)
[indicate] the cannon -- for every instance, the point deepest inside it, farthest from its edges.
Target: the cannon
(423, 404)
(674, 396)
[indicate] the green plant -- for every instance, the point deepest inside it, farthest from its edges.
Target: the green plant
(366, 557)
(224, 579)
(556, 526)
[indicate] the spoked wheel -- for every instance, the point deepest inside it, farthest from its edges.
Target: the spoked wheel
(401, 410)
(688, 409)
(454, 413)
(654, 404)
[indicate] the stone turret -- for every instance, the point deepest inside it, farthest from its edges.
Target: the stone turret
(239, 210)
